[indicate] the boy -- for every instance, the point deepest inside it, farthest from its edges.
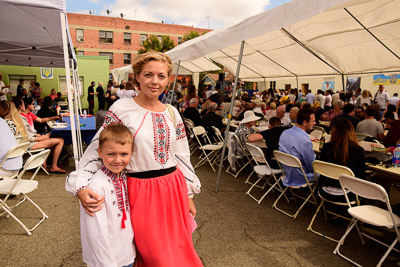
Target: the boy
(107, 238)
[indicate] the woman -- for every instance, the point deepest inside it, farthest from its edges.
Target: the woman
(191, 94)
(364, 98)
(335, 111)
(10, 114)
(46, 111)
(53, 94)
(40, 141)
(343, 149)
(245, 130)
(161, 180)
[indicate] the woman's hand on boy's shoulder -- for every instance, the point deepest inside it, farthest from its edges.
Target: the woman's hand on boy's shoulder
(90, 201)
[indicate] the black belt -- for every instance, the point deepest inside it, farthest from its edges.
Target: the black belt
(152, 174)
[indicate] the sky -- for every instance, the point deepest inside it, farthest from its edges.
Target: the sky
(209, 14)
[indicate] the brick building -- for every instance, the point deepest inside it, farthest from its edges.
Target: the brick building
(118, 38)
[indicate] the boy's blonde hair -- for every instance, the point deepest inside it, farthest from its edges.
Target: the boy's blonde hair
(117, 133)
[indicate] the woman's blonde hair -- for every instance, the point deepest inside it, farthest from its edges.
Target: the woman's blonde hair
(145, 58)
(364, 94)
(13, 115)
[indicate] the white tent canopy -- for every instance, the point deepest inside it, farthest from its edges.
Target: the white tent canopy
(31, 33)
(35, 33)
(306, 38)
(186, 68)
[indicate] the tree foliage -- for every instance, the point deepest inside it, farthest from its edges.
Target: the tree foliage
(153, 44)
(190, 35)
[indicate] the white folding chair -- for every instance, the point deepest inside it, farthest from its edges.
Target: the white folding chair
(17, 151)
(330, 171)
(19, 139)
(316, 134)
(264, 171)
(22, 187)
(369, 214)
(293, 162)
(193, 146)
(219, 138)
(32, 152)
(209, 150)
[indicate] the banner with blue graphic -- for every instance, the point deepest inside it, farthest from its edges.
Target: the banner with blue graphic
(46, 73)
(386, 79)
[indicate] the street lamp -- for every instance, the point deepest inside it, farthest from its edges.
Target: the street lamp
(208, 21)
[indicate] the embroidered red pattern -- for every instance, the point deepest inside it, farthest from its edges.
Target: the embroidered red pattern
(180, 131)
(161, 138)
(111, 117)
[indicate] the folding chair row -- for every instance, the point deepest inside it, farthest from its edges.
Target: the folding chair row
(22, 187)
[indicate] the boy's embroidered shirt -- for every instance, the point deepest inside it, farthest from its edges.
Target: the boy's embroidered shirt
(105, 242)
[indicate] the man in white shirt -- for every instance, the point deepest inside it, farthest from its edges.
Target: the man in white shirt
(328, 100)
(320, 98)
(394, 100)
(4, 89)
(382, 98)
(282, 115)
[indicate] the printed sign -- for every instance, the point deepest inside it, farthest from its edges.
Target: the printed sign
(46, 73)
(386, 79)
(328, 85)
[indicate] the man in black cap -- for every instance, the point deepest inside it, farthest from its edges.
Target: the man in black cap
(90, 97)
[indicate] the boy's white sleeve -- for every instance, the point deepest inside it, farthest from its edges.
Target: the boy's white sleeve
(87, 167)
(95, 230)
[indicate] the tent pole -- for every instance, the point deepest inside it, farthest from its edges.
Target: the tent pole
(230, 114)
(297, 82)
(176, 77)
(77, 109)
(69, 89)
(343, 88)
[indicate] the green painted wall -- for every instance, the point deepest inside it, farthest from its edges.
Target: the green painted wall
(90, 68)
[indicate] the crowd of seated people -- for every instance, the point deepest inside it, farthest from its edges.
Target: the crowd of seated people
(340, 114)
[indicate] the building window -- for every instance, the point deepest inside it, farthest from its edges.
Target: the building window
(143, 37)
(81, 53)
(159, 37)
(127, 38)
(79, 35)
(272, 84)
(179, 40)
(107, 54)
(105, 37)
(127, 58)
(14, 81)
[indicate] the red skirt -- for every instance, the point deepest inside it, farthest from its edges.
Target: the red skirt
(160, 220)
